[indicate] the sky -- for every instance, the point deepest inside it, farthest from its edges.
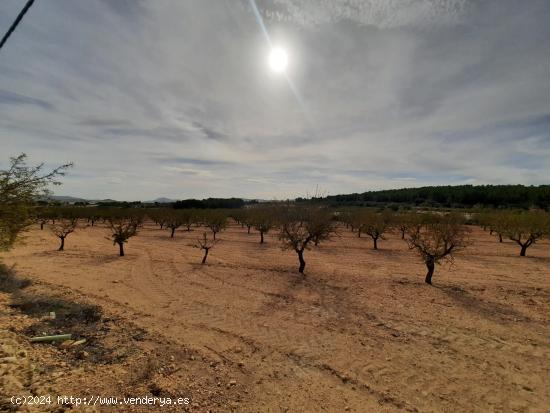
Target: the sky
(176, 98)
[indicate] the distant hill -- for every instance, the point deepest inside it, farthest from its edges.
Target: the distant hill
(161, 200)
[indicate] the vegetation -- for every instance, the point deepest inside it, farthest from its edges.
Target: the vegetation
(210, 203)
(216, 221)
(525, 228)
(62, 228)
(123, 228)
(20, 186)
(375, 225)
(437, 238)
(263, 219)
(513, 196)
(206, 245)
(300, 225)
(173, 222)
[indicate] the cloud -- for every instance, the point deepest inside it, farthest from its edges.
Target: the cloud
(11, 98)
(380, 13)
(175, 99)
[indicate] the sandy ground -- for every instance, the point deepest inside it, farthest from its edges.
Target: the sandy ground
(360, 333)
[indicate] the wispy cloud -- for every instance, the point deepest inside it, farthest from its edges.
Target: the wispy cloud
(172, 98)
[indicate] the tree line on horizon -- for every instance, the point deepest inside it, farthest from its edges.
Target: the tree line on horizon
(457, 196)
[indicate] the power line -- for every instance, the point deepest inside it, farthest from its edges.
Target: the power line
(16, 22)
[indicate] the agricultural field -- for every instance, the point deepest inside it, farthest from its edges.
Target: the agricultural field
(360, 331)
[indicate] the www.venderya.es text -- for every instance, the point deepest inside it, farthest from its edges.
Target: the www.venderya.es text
(95, 400)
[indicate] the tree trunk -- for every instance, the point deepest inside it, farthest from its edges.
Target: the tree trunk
(248, 229)
(402, 234)
(302, 262)
(430, 264)
(62, 243)
(214, 232)
(121, 249)
(205, 255)
(359, 233)
(172, 234)
(523, 250)
(161, 225)
(499, 237)
(261, 237)
(375, 242)
(41, 225)
(93, 221)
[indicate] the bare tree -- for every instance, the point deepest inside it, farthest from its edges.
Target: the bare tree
(496, 222)
(299, 226)
(375, 225)
(173, 221)
(526, 228)
(263, 220)
(437, 239)
(159, 216)
(188, 218)
(122, 229)
(62, 228)
(216, 221)
(206, 245)
(404, 221)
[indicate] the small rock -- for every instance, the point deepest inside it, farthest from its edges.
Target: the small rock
(83, 355)
(238, 350)
(233, 382)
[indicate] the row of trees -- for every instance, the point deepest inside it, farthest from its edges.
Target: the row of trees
(524, 228)
(434, 236)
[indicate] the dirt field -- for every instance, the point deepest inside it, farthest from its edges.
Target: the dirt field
(360, 333)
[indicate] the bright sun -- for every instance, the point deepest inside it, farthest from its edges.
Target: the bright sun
(278, 60)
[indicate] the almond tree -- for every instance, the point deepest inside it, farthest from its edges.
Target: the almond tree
(206, 245)
(404, 221)
(216, 221)
(438, 238)
(122, 229)
(158, 216)
(299, 226)
(188, 217)
(375, 225)
(62, 228)
(173, 221)
(526, 228)
(263, 220)
(43, 216)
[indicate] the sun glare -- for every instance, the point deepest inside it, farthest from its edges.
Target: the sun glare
(278, 60)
